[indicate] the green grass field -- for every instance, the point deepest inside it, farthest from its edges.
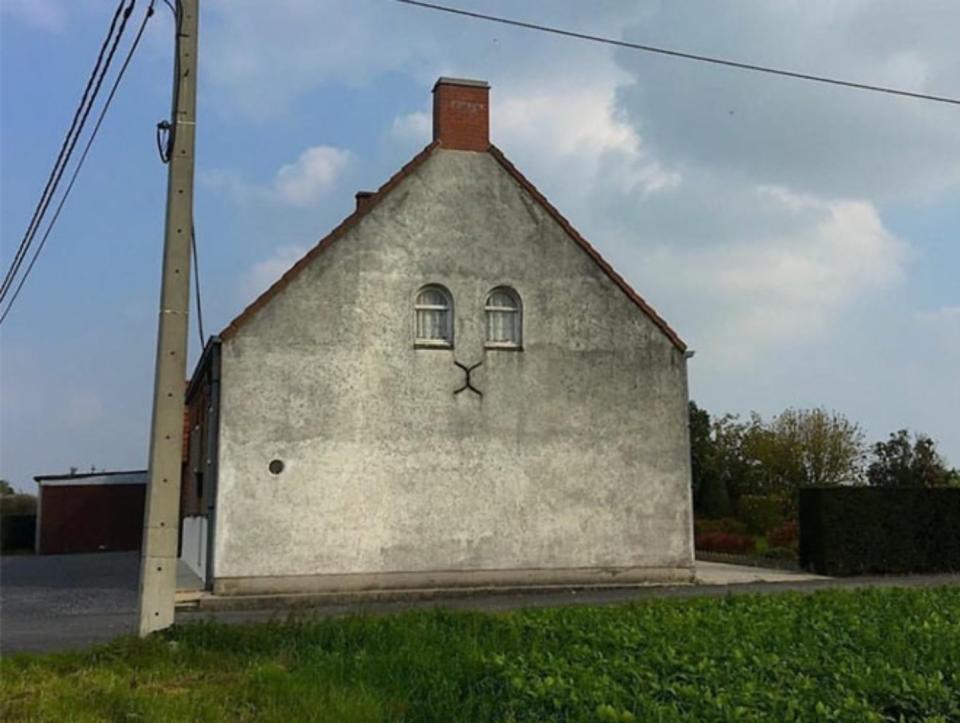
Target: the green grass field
(834, 655)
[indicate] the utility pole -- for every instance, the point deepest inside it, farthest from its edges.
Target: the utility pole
(158, 562)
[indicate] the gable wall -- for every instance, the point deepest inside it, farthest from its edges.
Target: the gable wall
(576, 457)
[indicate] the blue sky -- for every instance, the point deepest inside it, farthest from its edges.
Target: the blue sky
(802, 239)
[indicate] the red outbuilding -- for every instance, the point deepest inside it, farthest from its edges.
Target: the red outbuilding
(90, 512)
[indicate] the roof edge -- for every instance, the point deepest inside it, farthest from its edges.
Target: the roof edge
(327, 241)
(85, 475)
(617, 279)
(201, 365)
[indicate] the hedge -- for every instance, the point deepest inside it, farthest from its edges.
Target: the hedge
(728, 542)
(17, 532)
(879, 530)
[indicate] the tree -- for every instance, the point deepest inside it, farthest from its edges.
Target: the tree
(710, 495)
(734, 467)
(6, 488)
(900, 463)
(804, 448)
(797, 448)
(699, 448)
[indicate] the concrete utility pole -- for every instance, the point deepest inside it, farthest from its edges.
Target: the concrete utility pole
(158, 562)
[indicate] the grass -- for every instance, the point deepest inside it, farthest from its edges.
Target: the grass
(867, 655)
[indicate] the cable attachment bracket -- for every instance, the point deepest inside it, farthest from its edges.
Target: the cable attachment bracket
(164, 140)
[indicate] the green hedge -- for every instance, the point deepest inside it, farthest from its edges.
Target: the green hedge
(17, 532)
(879, 530)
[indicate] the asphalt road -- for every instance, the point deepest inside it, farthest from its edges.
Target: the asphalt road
(63, 602)
(60, 602)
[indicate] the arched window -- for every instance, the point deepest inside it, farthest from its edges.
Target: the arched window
(434, 309)
(504, 318)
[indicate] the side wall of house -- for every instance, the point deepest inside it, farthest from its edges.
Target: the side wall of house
(573, 466)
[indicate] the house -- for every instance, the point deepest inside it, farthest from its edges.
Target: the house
(453, 388)
(90, 512)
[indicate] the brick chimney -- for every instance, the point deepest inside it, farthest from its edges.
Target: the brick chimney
(461, 114)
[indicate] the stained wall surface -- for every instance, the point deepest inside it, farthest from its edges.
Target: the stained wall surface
(572, 466)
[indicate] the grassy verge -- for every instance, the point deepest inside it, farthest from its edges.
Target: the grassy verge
(833, 655)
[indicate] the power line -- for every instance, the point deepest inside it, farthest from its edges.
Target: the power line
(63, 156)
(681, 54)
(83, 157)
(196, 278)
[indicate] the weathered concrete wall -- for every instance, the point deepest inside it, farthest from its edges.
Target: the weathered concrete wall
(574, 463)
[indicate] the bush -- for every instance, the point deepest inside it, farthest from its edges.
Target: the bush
(780, 553)
(727, 542)
(726, 524)
(17, 532)
(18, 504)
(761, 512)
(862, 530)
(786, 535)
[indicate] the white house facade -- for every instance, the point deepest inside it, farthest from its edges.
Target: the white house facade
(452, 389)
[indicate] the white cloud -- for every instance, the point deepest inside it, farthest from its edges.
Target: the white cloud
(312, 175)
(790, 287)
(264, 273)
(302, 183)
(49, 15)
(412, 128)
(576, 124)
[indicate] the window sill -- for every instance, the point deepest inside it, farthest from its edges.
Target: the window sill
(431, 344)
(503, 346)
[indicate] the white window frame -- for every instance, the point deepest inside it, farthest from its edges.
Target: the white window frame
(427, 343)
(517, 309)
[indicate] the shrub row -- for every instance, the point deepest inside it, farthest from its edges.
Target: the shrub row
(786, 535)
(724, 524)
(861, 530)
(17, 532)
(728, 542)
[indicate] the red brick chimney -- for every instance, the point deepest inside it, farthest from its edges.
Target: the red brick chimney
(461, 114)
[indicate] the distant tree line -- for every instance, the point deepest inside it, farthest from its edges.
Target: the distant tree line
(733, 457)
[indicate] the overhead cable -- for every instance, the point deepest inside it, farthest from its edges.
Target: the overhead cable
(63, 157)
(196, 278)
(83, 157)
(681, 54)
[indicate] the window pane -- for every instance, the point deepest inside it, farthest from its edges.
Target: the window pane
(502, 326)
(433, 315)
(432, 324)
(431, 297)
(503, 317)
(502, 299)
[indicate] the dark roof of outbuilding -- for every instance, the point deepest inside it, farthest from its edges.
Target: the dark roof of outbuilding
(85, 475)
(381, 193)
